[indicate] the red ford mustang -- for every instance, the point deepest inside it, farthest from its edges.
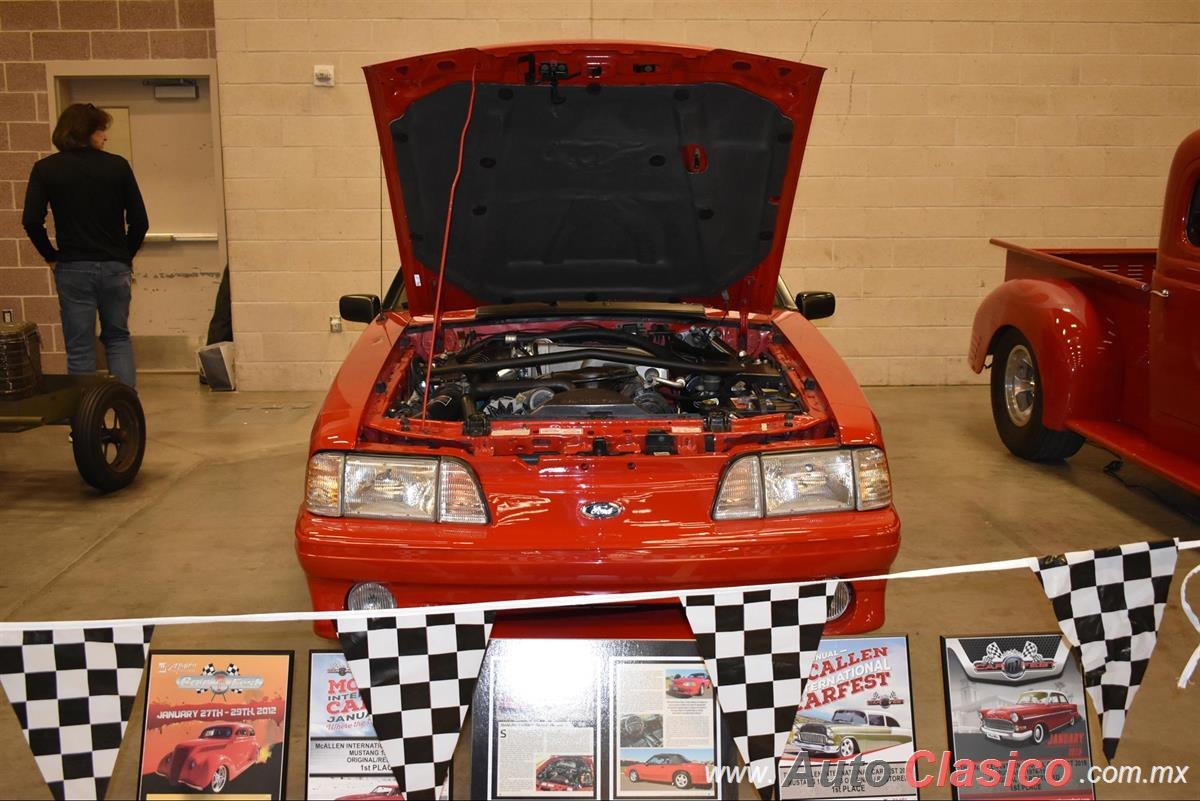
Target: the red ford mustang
(669, 769)
(691, 684)
(566, 773)
(1035, 714)
(591, 380)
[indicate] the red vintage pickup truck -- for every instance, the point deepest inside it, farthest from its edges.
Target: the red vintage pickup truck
(1103, 345)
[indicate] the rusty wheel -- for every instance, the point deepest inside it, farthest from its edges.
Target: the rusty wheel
(108, 434)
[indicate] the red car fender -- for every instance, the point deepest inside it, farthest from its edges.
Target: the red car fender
(339, 421)
(1068, 336)
(857, 424)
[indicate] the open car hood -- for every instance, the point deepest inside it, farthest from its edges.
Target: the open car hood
(593, 171)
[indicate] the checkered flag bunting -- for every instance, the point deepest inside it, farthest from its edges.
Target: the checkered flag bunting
(759, 647)
(416, 674)
(72, 691)
(1109, 604)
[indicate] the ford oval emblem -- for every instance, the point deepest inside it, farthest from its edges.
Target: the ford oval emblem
(602, 510)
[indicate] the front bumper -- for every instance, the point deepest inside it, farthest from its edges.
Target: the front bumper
(1004, 735)
(825, 750)
(471, 564)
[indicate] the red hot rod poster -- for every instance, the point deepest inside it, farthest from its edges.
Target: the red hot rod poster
(216, 724)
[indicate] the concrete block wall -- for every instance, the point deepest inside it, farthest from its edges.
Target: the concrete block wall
(941, 123)
(33, 32)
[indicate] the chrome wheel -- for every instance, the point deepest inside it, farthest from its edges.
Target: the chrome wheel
(1020, 385)
(848, 747)
(1039, 734)
(219, 779)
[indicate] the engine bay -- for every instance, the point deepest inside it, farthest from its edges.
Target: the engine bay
(587, 371)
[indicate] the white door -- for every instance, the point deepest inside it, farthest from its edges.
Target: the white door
(169, 143)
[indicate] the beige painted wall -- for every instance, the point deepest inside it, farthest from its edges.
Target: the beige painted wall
(941, 123)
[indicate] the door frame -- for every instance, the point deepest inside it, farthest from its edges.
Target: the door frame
(58, 71)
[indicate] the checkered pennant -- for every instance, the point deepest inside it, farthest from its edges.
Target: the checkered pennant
(72, 691)
(1109, 604)
(758, 647)
(416, 674)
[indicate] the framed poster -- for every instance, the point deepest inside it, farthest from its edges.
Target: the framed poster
(344, 756)
(854, 731)
(597, 719)
(345, 760)
(1016, 700)
(216, 723)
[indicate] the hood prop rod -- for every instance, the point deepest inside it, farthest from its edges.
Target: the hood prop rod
(436, 330)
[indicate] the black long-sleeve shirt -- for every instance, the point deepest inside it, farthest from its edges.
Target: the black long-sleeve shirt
(98, 210)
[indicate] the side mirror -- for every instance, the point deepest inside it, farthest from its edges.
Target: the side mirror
(815, 305)
(358, 308)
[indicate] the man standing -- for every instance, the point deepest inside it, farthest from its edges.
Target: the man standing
(100, 222)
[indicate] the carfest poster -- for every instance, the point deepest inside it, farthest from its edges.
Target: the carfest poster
(216, 724)
(345, 758)
(1017, 699)
(853, 733)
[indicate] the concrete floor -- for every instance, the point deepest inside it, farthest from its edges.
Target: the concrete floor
(207, 529)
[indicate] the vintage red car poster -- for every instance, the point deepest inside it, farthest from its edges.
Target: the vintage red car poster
(1017, 718)
(216, 724)
(854, 733)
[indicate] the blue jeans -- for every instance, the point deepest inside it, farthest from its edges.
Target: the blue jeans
(86, 288)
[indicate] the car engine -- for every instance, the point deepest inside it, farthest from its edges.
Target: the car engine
(591, 372)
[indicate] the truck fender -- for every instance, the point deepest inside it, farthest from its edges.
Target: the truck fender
(1069, 338)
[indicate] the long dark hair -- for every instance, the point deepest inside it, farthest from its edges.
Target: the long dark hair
(76, 125)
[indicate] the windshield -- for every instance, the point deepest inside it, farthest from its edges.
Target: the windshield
(1034, 698)
(396, 299)
(849, 716)
(216, 732)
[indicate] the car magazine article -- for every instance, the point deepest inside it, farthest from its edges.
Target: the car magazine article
(216, 724)
(345, 759)
(596, 719)
(665, 733)
(854, 730)
(543, 699)
(1017, 693)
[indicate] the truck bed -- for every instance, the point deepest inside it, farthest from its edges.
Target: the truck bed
(1129, 267)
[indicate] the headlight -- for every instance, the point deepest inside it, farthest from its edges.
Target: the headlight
(403, 489)
(1013, 717)
(774, 485)
(799, 483)
(393, 488)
